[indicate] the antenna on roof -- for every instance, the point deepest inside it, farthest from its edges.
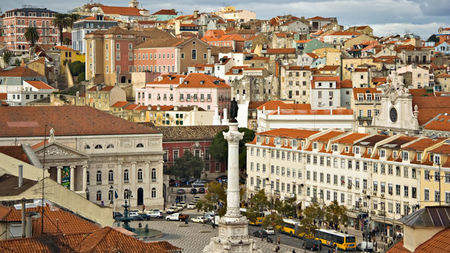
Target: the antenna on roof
(43, 174)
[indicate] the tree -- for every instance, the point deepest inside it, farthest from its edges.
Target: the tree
(215, 199)
(307, 223)
(7, 55)
(433, 38)
(219, 147)
(286, 208)
(336, 215)
(31, 35)
(258, 203)
(62, 21)
(81, 77)
(187, 166)
(272, 220)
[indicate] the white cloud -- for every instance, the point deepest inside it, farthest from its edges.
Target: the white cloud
(423, 30)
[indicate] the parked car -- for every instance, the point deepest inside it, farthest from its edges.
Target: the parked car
(312, 244)
(180, 207)
(133, 213)
(222, 179)
(181, 191)
(171, 209)
(117, 215)
(269, 230)
(201, 190)
(194, 191)
(199, 183)
(191, 205)
(260, 233)
(173, 217)
(198, 219)
(155, 213)
(365, 246)
(183, 204)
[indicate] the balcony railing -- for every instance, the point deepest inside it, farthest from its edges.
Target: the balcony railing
(365, 118)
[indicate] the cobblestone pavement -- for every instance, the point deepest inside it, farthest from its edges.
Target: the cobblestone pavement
(193, 237)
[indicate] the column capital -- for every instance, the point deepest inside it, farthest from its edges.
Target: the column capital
(233, 136)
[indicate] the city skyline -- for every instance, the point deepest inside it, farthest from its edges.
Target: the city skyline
(408, 16)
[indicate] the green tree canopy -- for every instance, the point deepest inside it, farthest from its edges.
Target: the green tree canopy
(187, 166)
(219, 147)
(307, 223)
(258, 203)
(64, 20)
(215, 199)
(77, 67)
(31, 35)
(7, 55)
(286, 208)
(273, 220)
(336, 215)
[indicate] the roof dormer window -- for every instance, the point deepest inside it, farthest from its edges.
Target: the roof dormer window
(405, 156)
(277, 141)
(382, 153)
(315, 145)
(267, 140)
(334, 147)
(347, 148)
(258, 139)
(356, 150)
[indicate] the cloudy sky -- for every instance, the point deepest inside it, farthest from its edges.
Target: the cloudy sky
(422, 17)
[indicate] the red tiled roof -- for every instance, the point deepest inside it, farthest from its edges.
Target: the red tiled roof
(347, 83)
(438, 243)
(120, 104)
(442, 149)
(291, 133)
(40, 85)
(430, 107)
(440, 123)
(168, 79)
(64, 48)
(104, 88)
(351, 138)
(19, 72)
(314, 112)
(357, 91)
(29, 121)
(166, 12)
(94, 18)
(281, 51)
(117, 10)
(329, 68)
(199, 80)
(422, 144)
(3, 96)
(274, 104)
(15, 152)
(326, 137)
(343, 33)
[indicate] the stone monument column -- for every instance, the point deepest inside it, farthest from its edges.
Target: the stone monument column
(233, 227)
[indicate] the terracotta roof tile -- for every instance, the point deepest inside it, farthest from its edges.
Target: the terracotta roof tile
(64, 48)
(351, 138)
(120, 104)
(163, 42)
(442, 149)
(168, 79)
(347, 83)
(65, 120)
(274, 104)
(422, 144)
(40, 85)
(281, 51)
(199, 80)
(438, 243)
(19, 72)
(185, 133)
(439, 123)
(15, 152)
(118, 10)
(166, 12)
(339, 111)
(3, 96)
(430, 107)
(372, 91)
(291, 133)
(326, 137)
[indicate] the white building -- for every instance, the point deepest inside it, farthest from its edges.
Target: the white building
(305, 118)
(230, 12)
(29, 91)
(325, 92)
(90, 152)
(366, 173)
(87, 25)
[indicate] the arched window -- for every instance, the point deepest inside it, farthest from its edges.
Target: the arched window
(110, 195)
(110, 146)
(87, 178)
(139, 145)
(98, 146)
(99, 195)
(153, 192)
(110, 176)
(99, 176)
(87, 147)
(125, 176)
(140, 175)
(153, 175)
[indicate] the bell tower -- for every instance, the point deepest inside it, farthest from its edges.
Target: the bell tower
(133, 3)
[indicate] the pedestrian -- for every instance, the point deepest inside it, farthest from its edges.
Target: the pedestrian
(278, 240)
(293, 250)
(277, 249)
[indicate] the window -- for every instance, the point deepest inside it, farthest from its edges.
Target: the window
(110, 176)
(98, 146)
(99, 177)
(140, 175)
(153, 192)
(437, 196)
(88, 180)
(99, 195)
(194, 54)
(153, 175)
(406, 191)
(110, 146)
(426, 195)
(139, 145)
(126, 176)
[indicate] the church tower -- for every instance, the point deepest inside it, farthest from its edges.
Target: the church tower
(134, 3)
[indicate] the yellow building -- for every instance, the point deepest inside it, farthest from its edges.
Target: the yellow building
(349, 64)
(68, 55)
(366, 103)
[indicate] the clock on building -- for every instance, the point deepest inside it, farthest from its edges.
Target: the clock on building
(393, 114)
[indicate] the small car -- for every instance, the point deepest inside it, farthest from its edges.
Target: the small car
(155, 213)
(181, 191)
(269, 230)
(171, 209)
(191, 205)
(201, 190)
(194, 191)
(173, 217)
(199, 183)
(198, 219)
(365, 246)
(260, 233)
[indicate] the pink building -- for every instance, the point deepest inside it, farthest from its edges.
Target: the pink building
(16, 22)
(157, 55)
(195, 89)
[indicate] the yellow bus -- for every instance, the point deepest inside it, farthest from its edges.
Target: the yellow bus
(259, 218)
(289, 226)
(334, 238)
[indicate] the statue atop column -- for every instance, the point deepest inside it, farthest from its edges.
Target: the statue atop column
(233, 110)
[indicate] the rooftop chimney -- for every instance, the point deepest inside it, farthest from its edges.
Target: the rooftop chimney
(20, 182)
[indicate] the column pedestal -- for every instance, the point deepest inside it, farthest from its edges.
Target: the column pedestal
(233, 227)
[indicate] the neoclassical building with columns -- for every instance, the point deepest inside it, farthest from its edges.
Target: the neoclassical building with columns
(100, 156)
